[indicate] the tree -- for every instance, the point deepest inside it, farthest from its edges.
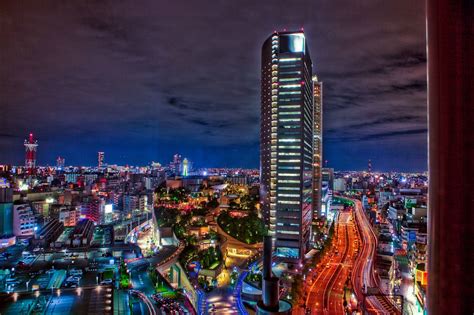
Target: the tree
(166, 216)
(213, 203)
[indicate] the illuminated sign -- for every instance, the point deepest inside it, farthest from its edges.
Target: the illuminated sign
(297, 43)
(108, 208)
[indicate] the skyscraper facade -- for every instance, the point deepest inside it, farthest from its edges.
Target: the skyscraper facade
(185, 170)
(100, 159)
(317, 144)
(6, 211)
(175, 165)
(286, 143)
(60, 162)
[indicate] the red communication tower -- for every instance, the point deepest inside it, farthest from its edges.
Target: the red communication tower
(31, 145)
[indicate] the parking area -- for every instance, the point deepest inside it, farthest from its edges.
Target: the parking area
(97, 300)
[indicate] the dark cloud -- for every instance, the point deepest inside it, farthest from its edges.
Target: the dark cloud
(142, 81)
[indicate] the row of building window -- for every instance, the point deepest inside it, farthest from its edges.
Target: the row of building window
(289, 161)
(289, 188)
(289, 92)
(289, 195)
(289, 79)
(289, 59)
(289, 202)
(289, 154)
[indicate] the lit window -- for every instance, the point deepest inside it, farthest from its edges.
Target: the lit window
(290, 92)
(290, 113)
(289, 79)
(288, 153)
(289, 59)
(289, 147)
(289, 202)
(289, 195)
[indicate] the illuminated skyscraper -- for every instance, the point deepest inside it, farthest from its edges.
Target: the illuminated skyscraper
(318, 144)
(185, 170)
(60, 163)
(31, 145)
(6, 209)
(176, 164)
(100, 159)
(286, 143)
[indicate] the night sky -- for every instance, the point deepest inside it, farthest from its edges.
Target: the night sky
(142, 80)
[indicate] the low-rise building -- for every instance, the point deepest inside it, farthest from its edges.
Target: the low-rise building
(82, 234)
(24, 220)
(46, 236)
(69, 216)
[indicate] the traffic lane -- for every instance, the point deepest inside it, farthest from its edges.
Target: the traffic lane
(141, 280)
(317, 295)
(369, 242)
(332, 287)
(337, 296)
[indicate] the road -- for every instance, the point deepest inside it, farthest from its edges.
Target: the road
(145, 299)
(324, 286)
(364, 275)
(339, 289)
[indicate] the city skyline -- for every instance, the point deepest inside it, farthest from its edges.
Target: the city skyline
(246, 157)
(111, 77)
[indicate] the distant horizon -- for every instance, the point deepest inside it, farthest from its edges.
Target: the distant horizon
(112, 79)
(211, 167)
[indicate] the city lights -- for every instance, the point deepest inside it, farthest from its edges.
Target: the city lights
(170, 158)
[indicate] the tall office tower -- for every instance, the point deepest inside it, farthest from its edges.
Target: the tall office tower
(100, 159)
(176, 164)
(60, 161)
(286, 143)
(31, 145)
(185, 167)
(318, 144)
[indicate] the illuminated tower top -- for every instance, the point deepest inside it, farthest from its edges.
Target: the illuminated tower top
(31, 145)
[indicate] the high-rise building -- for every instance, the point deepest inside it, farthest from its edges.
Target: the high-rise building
(31, 145)
(185, 170)
(317, 144)
(286, 143)
(100, 159)
(327, 186)
(60, 161)
(91, 210)
(6, 211)
(175, 165)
